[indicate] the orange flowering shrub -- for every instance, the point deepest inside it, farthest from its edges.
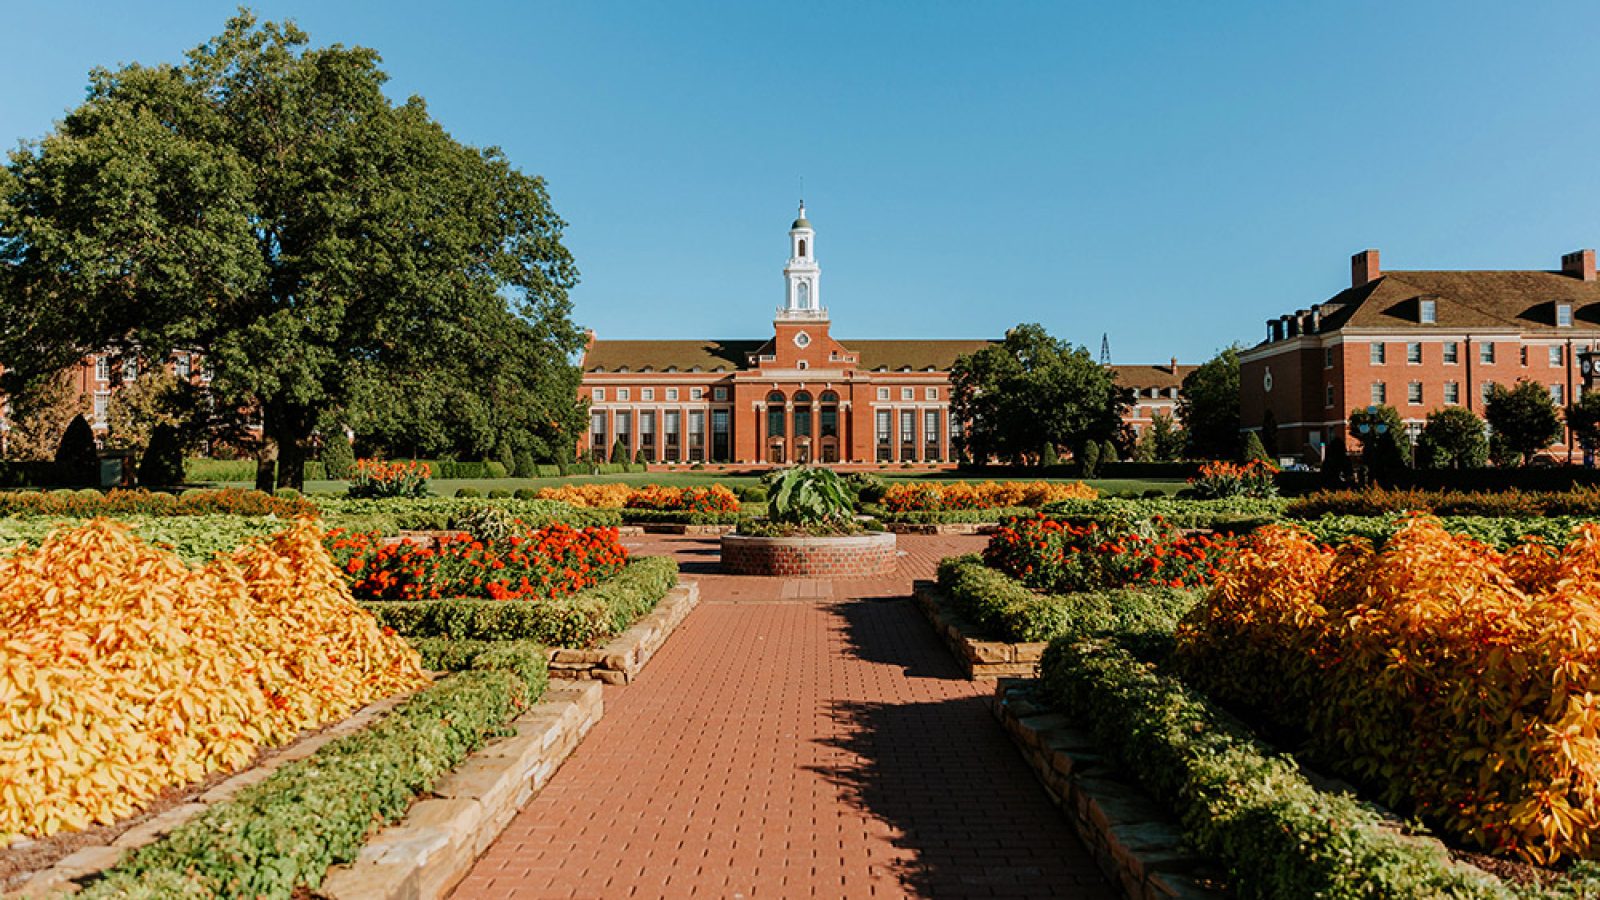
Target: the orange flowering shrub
(1461, 681)
(530, 565)
(932, 496)
(615, 495)
(376, 478)
(1220, 479)
(124, 671)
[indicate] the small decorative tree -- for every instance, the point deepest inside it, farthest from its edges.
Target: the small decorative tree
(162, 465)
(77, 459)
(1108, 452)
(619, 452)
(1047, 457)
(338, 457)
(1089, 460)
(1524, 420)
(1254, 450)
(1453, 438)
(525, 466)
(507, 458)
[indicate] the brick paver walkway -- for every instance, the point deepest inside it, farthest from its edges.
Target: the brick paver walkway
(794, 738)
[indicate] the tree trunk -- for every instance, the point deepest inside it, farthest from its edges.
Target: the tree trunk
(290, 427)
(266, 465)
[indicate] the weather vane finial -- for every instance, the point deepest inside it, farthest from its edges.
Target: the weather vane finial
(802, 193)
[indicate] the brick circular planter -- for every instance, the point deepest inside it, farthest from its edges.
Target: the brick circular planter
(809, 557)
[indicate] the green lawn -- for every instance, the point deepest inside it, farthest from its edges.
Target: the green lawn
(448, 486)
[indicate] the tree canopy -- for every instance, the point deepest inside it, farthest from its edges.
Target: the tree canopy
(1385, 446)
(1031, 389)
(1453, 438)
(1208, 406)
(331, 255)
(1524, 419)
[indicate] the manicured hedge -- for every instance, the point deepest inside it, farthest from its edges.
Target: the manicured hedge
(584, 619)
(1497, 532)
(284, 833)
(436, 513)
(1512, 503)
(957, 516)
(677, 517)
(87, 503)
(197, 470)
(1180, 513)
(528, 660)
(1005, 610)
(1237, 799)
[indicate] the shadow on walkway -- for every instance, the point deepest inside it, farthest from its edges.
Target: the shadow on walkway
(906, 643)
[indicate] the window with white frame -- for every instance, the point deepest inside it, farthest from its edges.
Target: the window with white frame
(1558, 356)
(1451, 352)
(1486, 390)
(1452, 393)
(1564, 315)
(883, 393)
(1428, 312)
(697, 393)
(906, 393)
(180, 364)
(1414, 393)
(1414, 353)
(1377, 352)
(1380, 393)
(1522, 354)
(623, 394)
(599, 395)
(647, 393)
(1486, 352)
(102, 368)
(102, 406)
(672, 393)
(1558, 394)
(720, 393)
(931, 393)
(130, 368)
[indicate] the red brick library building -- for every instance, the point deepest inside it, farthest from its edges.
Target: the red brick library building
(801, 395)
(1418, 341)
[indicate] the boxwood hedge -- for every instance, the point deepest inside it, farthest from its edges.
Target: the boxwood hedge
(1003, 609)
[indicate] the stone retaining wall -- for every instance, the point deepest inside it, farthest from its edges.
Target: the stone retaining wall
(1136, 841)
(856, 556)
(981, 659)
(620, 660)
(425, 855)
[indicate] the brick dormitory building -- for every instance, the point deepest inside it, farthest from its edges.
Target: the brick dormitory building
(1418, 341)
(801, 395)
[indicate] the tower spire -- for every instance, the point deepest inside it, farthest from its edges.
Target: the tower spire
(802, 275)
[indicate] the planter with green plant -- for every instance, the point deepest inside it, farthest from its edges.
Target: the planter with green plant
(810, 531)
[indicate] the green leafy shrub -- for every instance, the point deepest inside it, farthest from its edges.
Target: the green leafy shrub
(1004, 609)
(807, 496)
(468, 493)
(284, 833)
(1180, 513)
(486, 523)
(219, 501)
(867, 487)
(754, 494)
(525, 494)
(436, 513)
(499, 494)
(338, 457)
(1237, 799)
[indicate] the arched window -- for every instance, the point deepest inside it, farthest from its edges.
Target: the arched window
(802, 293)
(775, 416)
(802, 248)
(802, 414)
(828, 415)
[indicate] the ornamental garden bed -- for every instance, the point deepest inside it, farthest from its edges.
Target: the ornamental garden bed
(1441, 677)
(980, 659)
(244, 655)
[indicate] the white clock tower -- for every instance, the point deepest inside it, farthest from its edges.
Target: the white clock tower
(801, 276)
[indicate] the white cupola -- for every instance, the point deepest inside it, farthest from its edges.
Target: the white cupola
(802, 276)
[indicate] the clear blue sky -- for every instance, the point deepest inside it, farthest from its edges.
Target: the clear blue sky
(1170, 173)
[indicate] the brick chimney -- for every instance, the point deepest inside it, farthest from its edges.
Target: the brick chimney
(1364, 268)
(1579, 264)
(1174, 365)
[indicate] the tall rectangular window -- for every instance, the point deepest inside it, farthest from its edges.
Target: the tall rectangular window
(1376, 349)
(1380, 393)
(1558, 394)
(647, 434)
(697, 435)
(1414, 353)
(180, 365)
(721, 436)
(1327, 398)
(1429, 312)
(908, 434)
(672, 434)
(930, 434)
(1486, 390)
(102, 406)
(1563, 315)
(1451, 352)
(883, 421)
(1327, 357)
(597, 433)
(1486, 352)
(624, 432)
(102, 368)
(1452, 393)
(1522, 354)
(1414, 393)
(130, 368)
(1558, 356)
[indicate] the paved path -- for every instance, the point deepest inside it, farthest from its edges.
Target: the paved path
(794, 738)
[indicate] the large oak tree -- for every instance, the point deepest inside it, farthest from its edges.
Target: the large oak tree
(333, 255)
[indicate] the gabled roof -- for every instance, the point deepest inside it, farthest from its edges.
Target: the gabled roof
(1519, 301)
(1168, 376)
(733, 355)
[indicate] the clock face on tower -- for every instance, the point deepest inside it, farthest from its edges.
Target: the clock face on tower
(802, 340)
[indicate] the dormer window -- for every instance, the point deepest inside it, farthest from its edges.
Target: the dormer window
(1564, 315)
(1428, 312)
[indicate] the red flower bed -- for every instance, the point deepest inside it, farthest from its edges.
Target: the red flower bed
(1058, 557)
(538, 564)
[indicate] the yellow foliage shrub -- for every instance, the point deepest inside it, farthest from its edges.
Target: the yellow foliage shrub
(929, 496)
(1462, 682)
(124, 671)
(610, 495)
